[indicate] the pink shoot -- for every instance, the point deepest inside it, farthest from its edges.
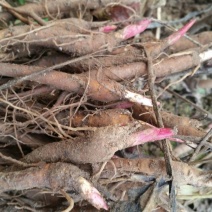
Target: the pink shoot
(181, 32)
(151, 134)
(134, 29)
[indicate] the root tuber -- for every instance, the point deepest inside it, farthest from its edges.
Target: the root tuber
(104, 141)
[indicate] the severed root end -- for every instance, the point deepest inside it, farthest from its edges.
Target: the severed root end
(138, 98)
(91, 194)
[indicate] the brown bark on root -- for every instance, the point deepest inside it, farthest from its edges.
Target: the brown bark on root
(102, 118)
(50, 37)
(96, 84)
(54, 176)
(183, 173)
(60, 8)
(183, 44)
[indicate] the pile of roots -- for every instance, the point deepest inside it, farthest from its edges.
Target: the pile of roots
(80, 99)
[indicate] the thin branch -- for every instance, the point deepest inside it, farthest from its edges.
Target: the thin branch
(14, 161)
(165, 144)
(206, 113)
(202, 142)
